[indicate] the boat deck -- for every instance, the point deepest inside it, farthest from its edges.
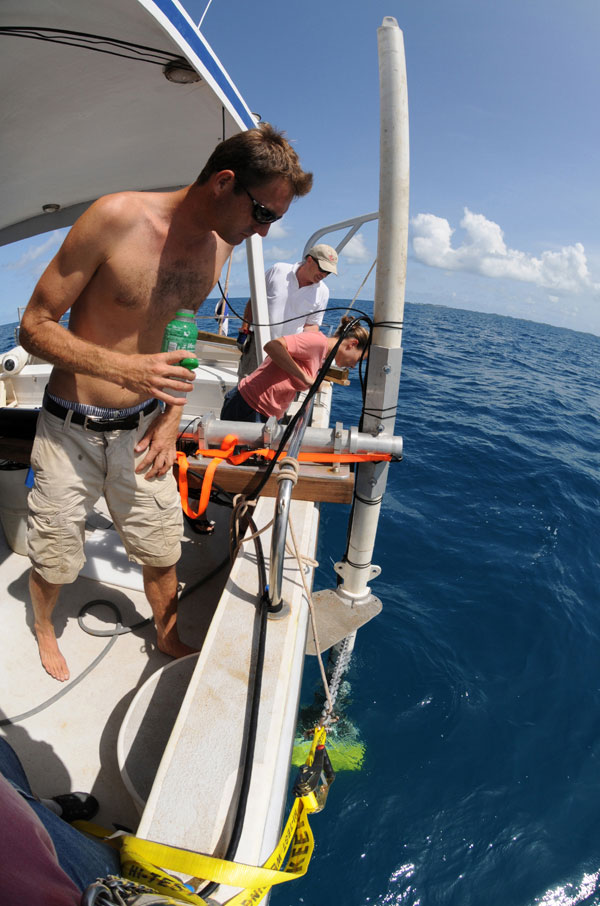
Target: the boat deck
(162, 749)
(58, 747)
(152, 728)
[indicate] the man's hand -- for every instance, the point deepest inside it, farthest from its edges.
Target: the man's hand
(159, 441)
(155, 375)
(242, 338)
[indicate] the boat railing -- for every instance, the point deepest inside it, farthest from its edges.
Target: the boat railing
(352, 226)
(287, 480)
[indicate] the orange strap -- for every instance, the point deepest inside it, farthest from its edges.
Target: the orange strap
(239, 458)
(228, 445)
(225, 452)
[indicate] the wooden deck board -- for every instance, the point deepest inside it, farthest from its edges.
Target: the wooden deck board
(319, 483)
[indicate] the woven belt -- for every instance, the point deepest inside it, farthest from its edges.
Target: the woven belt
(126, 423)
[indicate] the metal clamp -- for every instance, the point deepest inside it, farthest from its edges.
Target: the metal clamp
(310, 775)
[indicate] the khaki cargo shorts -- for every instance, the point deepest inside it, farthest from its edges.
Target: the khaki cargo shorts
(73, 468)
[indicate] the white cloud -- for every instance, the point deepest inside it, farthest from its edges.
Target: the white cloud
(278, 253)
(277, 230)
(32, 254)
(484, 252)
(356, 250)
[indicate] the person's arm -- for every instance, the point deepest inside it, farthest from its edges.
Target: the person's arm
(247, 316)
(278, 352)
(313, 328)
(84, 250)
(244, 332)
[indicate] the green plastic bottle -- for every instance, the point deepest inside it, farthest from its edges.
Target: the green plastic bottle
(182, 333)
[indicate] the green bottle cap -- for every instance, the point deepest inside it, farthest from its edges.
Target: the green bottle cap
(190, 363)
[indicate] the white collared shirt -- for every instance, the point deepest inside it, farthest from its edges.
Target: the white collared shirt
(287, 300)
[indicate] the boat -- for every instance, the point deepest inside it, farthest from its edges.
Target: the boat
(164, 745)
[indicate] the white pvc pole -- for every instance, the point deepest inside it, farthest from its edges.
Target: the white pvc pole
(258, 295)
(392, 243)
(356, 569)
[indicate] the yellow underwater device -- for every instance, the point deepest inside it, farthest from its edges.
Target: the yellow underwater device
(345, 748)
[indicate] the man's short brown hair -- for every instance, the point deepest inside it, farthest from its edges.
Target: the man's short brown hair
(256, 156)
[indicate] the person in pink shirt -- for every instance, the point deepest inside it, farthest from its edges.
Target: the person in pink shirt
(292, 365)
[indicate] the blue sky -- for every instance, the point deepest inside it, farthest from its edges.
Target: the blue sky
(505, 142)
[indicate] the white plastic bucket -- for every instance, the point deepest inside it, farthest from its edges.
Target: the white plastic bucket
(13, 507)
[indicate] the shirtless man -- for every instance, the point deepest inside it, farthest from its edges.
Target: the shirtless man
(128, 264)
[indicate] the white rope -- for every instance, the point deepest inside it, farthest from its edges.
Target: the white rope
(240, 508)
(290, 474)
(311, 608)
(203, 15)
(344, 653)
(361, 286)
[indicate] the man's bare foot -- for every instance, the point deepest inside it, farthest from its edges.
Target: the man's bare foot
(160, 585)
(172, 645)
(44, 596)
(52, 660)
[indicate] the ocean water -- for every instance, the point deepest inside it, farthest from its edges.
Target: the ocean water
(476, 691)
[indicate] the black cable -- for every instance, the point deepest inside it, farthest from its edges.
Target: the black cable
(264, 608)
(357, 565)
(86, 41)
(315, 311)
(195, 585)
(380, 412)
(362, 379)
(118, 630)
(255, 492)
(183, 430)
(395, 325)
(368, 502)
(242, 803)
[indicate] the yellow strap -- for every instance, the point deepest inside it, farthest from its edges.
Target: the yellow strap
(139, 858)
(234, 874)
(138, 869)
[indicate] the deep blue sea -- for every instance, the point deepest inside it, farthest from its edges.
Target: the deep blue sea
(477, 690)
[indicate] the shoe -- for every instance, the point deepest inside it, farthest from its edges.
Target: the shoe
(77, 806)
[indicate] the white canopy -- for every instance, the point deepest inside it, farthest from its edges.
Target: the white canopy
(86, 108)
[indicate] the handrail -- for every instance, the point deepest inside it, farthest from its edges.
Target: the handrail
(282, 509)
(354, 224)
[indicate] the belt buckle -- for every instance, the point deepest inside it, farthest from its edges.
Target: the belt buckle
(95, 423)
(111, 424)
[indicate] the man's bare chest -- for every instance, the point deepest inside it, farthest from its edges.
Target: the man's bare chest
(157, 288)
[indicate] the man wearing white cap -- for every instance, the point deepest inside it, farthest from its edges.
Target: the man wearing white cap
(297, 298)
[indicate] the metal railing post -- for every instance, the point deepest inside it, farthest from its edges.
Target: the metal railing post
(282, 511)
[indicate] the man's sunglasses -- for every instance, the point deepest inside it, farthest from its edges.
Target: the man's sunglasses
(320, 269)
(260, 213)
